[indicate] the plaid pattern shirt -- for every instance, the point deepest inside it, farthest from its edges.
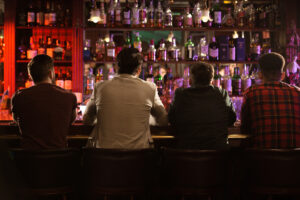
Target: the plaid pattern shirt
(271, 115)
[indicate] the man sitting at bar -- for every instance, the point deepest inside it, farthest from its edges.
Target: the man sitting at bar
(44, 112)
(122, 106)
(271, 111)
(201, 114)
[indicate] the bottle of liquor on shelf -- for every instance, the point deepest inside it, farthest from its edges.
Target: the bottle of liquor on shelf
(143, 14)
(151, 15)
(42, 46)
(168, 18)
(111, 49)
(255, 47)
(217, 78)
(197, 14)
(68, 18)
(188, 18)
(262, 18)
(103, 17)
(60, 82)
(277, 16)
(240, 49)
(22, 51)
(22, 17)
(213, 49)
(68, 80)
(58, 50)
(111, 73)
(47, 14)
(99, 76)
(31, 51)
(162, 51)
(223, 47)
(228, 19)
(149, 76)
(135, 17)
(246, 80)
(159, 15)
(31, 14)
(111, 14)
(87, 50)
(68, 50)
(60, 15)
(52, 15)
(158, 80)
(270, 16)
(128, 43)
(118, 14)
(137, 42)
(173, 51)
(127, 15)
(168, 78)
(40, 14)
(202, 49)
(240, 14)
(252, 17)
(90, 82)
(236, 82)
(217, 14)
(100, 49)
(189, 49)
(266, 45)
(232, 49)
(186, 77)
(152, 51)
(226, 82)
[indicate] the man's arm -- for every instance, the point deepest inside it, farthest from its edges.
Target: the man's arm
(90, 113)
(158, 111)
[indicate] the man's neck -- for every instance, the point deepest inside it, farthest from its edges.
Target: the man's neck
(44, 82)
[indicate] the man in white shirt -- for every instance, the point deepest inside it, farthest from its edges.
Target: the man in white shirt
(122, 106)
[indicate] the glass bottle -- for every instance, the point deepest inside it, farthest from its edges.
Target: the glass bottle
(217, 78)
(151, 15)
(197, 14)
(52, 15)
(202, 49)
(137, 42)
(231, 49)
(118, 14)
(31, 51)
(213, 49)
(87, 50)
(99, 76)
(246, 80)
(128, 41)
(168, 78)
(22, 51)
(47, 14)
(228, 20)
(60, 15)
(173, 51)
(158, 80)
(168, 18)
(68, 80)
(111, 14)
(40, 14)
(186, 77)
(111, 73)
(68, 18)
(135, 18)
(266, 44)
(188, 18)
(255, 47)
(68, 50)
(143, 14)
(90, 82)
(100, 49)
(31, 15)
(226, 83)
(217, 14)
(42, 47)
(236, 82)
(159, 15)
(189, 49)
(162, 51)
(240, 14)
(252, 17)
(103, 17)
(150, 77)
(58, 51)
(152, 51)
(60, 82)
(262, 18)
(127, 15)
(111, 49)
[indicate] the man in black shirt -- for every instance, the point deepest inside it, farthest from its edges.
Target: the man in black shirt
(201, 114)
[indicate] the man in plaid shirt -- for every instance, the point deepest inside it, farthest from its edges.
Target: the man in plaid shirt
(271, 111)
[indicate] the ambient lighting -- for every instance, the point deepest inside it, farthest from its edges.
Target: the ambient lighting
(205, 15)
(95, 15)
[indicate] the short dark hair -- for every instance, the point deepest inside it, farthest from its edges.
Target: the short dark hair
(39, 67)
(128, 60)
(271, 65)
(202, 73)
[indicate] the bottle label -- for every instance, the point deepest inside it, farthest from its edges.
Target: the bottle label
(118, 15)
(111, 16)
(168, 20)
(60, 83)
(218, 17)
(30, 17)
(152, 55)
(163, 55)
(227, 85)
(52, 18)
(127, 17)
(236, 87)
(204, 50)
(111, 53)
(159, 17)
(68, 84)
(138, 45)
(246, 83)
(197, 18)
(255, 49)
(135, 17)
(90, 84)
(31, 54)
(188, 21)
(190, 52)
(214, 53)
(46, 20)
(143, 15)
(40, 18)
(49, 52)
(41, 51)
(232, 54)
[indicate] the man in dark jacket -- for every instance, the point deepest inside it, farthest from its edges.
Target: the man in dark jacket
(201, 114)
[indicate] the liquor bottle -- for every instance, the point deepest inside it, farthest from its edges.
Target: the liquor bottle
(68, 18)
(223, 47)
(189, 49)
(90, 82)
(217, 78)
(137, 42)
(173, 51)
(58, 50)
(252, 17)
(270, 16)
(255, 47)
(228, 20)
(152, 51)
(52, 15)
(31, 15)
(159, 15)
(240, 14)
(277, 16)
(158, 80)
(118, 14)
(60, 15)
(168, 18)
(22, 51)
(186, 77)
(31, 51)
(217, 14)
(60, 82)
(40, 14)
(47, 14)
(68, 80)
(168, 78)
(128, 43)
(231, 49)
(127, 15)
(111, 14)
(22, 17)
(100, 49)
(240, 49)
(262, 18)
(87, 50)
(68, 50)
(246, 80)
(135, 17)
(99, 76)
(111, 73)
(162, 51)
(213, 49)
(42, 47)
(143, 14)
(151, 15)
(202, 49)
(266, 44)
(103, 17)
(111, 49)
(188, 18)
(150, 77)
(236, 82)
(226, 83)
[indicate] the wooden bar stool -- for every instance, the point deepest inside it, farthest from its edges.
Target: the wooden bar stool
(48, 172)
(111, 172)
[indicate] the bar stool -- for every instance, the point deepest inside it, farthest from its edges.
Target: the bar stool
(111, 172)
(194, 172)
(48, 172)
(272, 172)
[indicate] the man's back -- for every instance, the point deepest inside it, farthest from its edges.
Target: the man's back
(271, 115)
(44, 113)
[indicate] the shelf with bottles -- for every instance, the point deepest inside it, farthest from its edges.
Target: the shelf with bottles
(55, 61)
(41, 27)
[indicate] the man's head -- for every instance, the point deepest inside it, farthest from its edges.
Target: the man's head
(271, 66)
(202, 74)
(41, 69)
(129, 61)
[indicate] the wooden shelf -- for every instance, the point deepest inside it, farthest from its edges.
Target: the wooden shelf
(40, 27)
(55, 61)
